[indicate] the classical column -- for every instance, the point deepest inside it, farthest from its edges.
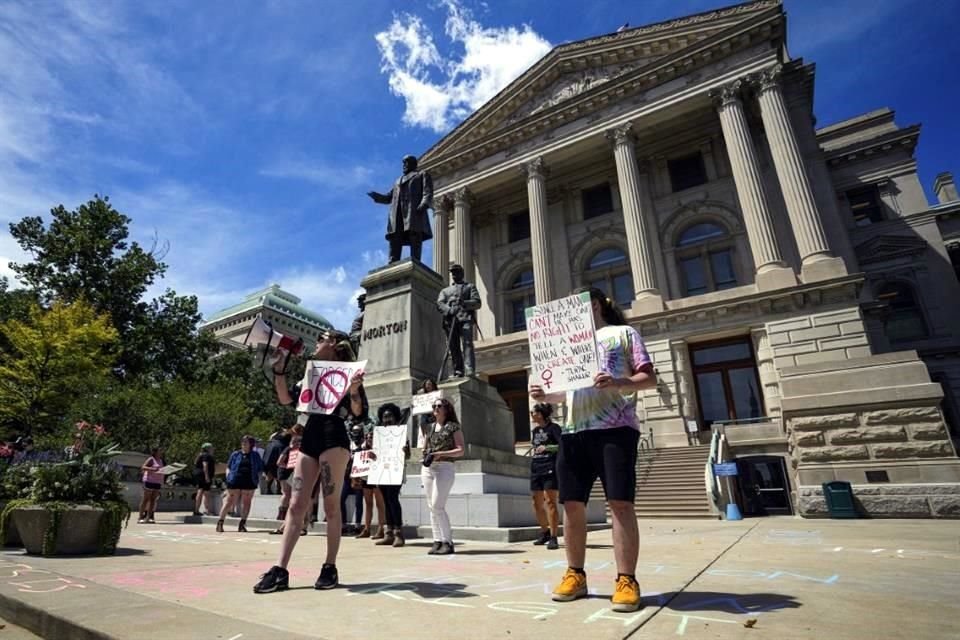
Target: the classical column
(441, 236)
(536, 173)
(771, 271)
(637, 226)
(462, 232)
(792, 175)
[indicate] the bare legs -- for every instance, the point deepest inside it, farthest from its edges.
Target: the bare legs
(626, 536)
(329, 469)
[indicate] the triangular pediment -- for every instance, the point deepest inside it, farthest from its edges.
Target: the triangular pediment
(889, 247)
(615, 64)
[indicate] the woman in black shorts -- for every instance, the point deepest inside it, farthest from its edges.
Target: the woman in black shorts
(324, 454)
(243, 477)
(545, 439)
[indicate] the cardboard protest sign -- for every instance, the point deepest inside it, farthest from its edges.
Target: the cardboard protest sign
(172, 468)
(423, 403)
(563, 343)
(325, 383)
(360, 466)
(388, 444)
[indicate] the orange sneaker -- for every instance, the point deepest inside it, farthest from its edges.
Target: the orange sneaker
(626, 595)
(572, 586)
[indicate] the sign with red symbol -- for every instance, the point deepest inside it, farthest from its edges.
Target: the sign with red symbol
(563, 344)
(325, 383)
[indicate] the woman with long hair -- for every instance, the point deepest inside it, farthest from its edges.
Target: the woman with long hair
(389, 414)
(152, 483)
(545, 438)
(444, 444)
(243, 477)
(601, 431)
(322, 463)
(425, 420)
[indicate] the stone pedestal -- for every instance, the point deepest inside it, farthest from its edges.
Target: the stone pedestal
(403, 340)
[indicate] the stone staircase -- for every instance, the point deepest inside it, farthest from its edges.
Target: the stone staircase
(670, 484)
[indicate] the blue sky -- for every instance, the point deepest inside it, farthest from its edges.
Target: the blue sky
(246, 133)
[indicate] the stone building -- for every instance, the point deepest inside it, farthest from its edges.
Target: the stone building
(793, 286)
(281, 308)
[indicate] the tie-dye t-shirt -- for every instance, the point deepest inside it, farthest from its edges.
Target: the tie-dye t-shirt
(622, 354)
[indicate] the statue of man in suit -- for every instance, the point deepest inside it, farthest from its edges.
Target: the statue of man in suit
(409, 200)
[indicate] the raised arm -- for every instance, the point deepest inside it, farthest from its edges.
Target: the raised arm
(380, 198)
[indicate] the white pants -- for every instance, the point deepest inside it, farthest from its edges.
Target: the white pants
(437, 481)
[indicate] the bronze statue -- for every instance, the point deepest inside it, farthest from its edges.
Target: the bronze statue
(459, 303)
(409, 200)
(356, 329)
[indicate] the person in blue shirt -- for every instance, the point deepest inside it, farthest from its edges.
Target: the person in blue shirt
(243, 477)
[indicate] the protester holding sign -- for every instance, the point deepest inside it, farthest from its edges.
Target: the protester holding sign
(545, 438)
(371, 494)
(152, 483)
(444, 444)
(425, 420)
(600, 436)
(388, 415)
(324, 454)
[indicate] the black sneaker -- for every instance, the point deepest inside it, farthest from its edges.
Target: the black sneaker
(544, 538)
(552, 543)
(436, 547)
(445, 549)
(276, 579)
(328, 577)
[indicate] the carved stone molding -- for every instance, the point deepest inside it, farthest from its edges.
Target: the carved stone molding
(463, 195)
(621, 135)
(728, 94)
(767, 79)
(445, 204)
(536, 168)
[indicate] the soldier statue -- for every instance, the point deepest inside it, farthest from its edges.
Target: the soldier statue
(459, 303)
(409, 200)
(356, 329)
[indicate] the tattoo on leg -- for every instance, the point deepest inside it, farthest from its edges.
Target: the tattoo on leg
(326, 478)
(297, 484)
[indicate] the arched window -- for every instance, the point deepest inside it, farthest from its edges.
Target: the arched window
(519, 296)
(609, 271)
(705, 259)
(905, 319)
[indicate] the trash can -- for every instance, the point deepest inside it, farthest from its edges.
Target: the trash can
(839, 497)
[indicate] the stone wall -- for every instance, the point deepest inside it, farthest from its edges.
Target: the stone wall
(885, 434)
(891, 500)
(821, 337)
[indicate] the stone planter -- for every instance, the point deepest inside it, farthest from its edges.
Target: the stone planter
(78, 533)
(12, 538)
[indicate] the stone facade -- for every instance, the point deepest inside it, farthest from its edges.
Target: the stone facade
(281, 308)
(780, 274)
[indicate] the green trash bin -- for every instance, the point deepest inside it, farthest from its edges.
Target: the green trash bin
(839, 497)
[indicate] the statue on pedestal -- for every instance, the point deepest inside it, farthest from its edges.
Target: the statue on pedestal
(459, 303)
(410, 199)
(356, 329)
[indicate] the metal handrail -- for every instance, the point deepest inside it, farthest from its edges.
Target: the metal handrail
(710, 480)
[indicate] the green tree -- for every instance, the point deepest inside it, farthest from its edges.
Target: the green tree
(86, 253)
(54, 357)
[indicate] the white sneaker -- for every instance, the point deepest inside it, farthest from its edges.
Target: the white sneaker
(142, 521)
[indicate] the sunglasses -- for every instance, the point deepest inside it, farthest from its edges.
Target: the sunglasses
(438, 406)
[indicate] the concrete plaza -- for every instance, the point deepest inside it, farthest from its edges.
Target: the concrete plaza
(788, 578)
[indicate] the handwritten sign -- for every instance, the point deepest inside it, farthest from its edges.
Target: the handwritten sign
(325, 383)
(361, 464)
(423, 403)
(563, 344)
(172, 468)
(388, 443)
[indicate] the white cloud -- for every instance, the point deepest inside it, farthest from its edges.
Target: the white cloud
(439, 91)
(331, 176)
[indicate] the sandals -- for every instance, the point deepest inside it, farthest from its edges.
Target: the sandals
(277, 532)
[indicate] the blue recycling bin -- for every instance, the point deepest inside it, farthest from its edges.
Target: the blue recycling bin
(839, 497)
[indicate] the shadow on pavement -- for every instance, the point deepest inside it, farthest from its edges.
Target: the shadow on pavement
(488, 552)
(423, 589)
(736, 603)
